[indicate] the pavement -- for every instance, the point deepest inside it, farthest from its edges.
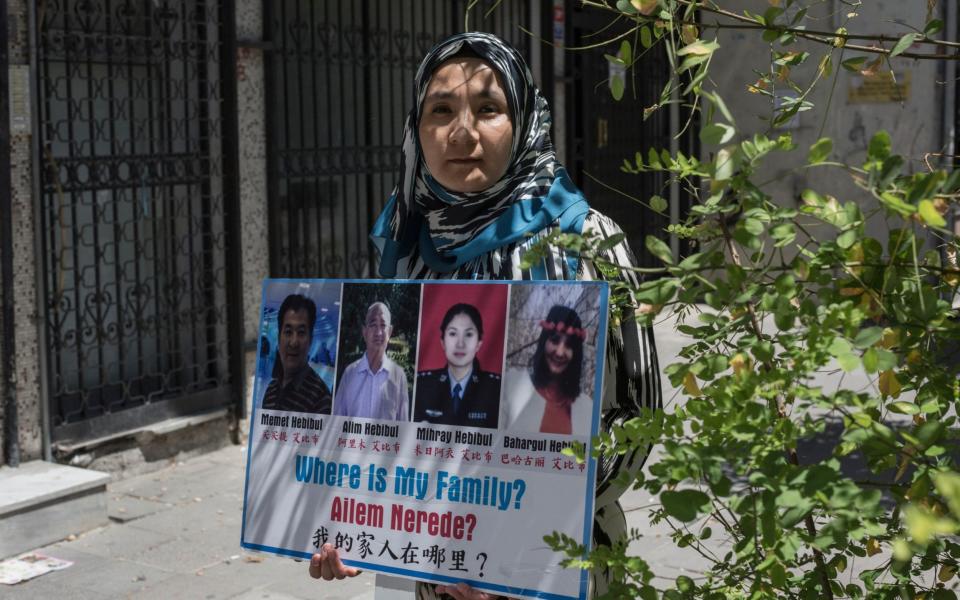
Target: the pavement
(175, 533)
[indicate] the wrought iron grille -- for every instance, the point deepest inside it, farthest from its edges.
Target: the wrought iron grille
(606, 132)
(339, 82)
(133, 220)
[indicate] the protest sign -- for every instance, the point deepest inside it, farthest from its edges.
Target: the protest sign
(420, 427)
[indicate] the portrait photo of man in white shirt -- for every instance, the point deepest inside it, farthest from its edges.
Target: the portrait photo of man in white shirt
(374, 386)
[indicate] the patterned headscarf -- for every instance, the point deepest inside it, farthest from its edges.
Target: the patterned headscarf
(446, 229)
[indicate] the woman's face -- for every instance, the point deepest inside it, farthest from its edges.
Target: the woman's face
(558, 352)
(465, 129)
(460, 341)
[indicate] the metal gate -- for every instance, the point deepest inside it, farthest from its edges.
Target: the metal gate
(604, 132)
(339, 82)
(136, 187)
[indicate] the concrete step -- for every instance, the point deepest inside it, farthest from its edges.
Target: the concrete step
(43, 502)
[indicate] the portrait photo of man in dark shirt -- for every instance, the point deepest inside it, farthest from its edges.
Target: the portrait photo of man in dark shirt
(295, 385)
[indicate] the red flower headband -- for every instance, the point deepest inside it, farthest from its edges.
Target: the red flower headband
(564, 329)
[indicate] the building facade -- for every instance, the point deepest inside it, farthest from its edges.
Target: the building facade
(165, 156)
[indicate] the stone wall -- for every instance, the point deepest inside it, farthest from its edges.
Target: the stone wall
(253, 174)
(25, 263)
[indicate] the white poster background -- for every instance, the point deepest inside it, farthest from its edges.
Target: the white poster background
(383, 484)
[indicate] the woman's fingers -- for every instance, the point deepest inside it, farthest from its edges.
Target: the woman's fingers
(315, 566)
(327, 565)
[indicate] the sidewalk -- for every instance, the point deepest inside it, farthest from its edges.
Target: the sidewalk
(176, 534)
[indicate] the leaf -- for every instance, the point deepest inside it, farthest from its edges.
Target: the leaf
(848, 362)
(740, 363)
(853, 64)
(646, 38)
(891, 338)
(653, 159)
(826, 65)
(879, 147)
(820, 151)
(896, 204)
(690, 385)
(829, 211)
(839, 346)
(657, 292)
(933, 27)
(888, 384)
(684, 505)
(699, 48)
(948, 484)
(904, 408)
(873, 547)
(725, 165)
(721, 106)
(930, 433)
(930, 215)
(644, 7)
(659, 248)
(784, 233)
(885, 359)
(658, 204)
(753, 226)
(848, 238)
(905, 42)
(617, 87)
(868, 337)
(608, 243)
(946, 573)
(717, 133)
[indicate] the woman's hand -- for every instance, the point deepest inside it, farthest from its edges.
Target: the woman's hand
(462, 591)
(326, 564)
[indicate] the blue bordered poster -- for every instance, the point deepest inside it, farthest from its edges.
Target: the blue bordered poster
(420, 427)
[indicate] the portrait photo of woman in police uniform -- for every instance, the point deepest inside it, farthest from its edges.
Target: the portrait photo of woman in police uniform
(461, 392)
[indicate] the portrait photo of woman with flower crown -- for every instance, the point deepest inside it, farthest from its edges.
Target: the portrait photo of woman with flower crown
(549, 381)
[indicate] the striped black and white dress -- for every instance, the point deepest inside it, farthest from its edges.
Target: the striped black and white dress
(623, 395)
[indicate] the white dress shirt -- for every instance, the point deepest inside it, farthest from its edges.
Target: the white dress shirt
(380, 395)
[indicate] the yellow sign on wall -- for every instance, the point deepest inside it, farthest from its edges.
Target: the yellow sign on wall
(879, 88)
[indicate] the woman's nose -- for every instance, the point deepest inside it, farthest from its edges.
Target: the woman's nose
(464, 130)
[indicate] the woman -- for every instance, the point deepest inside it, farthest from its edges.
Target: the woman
(480, 184)
(547, 398)
(460, 393)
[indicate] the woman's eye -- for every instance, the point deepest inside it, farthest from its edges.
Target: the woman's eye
(440, 109)
(489, 108)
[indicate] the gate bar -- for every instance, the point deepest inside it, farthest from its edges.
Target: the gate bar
(11, 434)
